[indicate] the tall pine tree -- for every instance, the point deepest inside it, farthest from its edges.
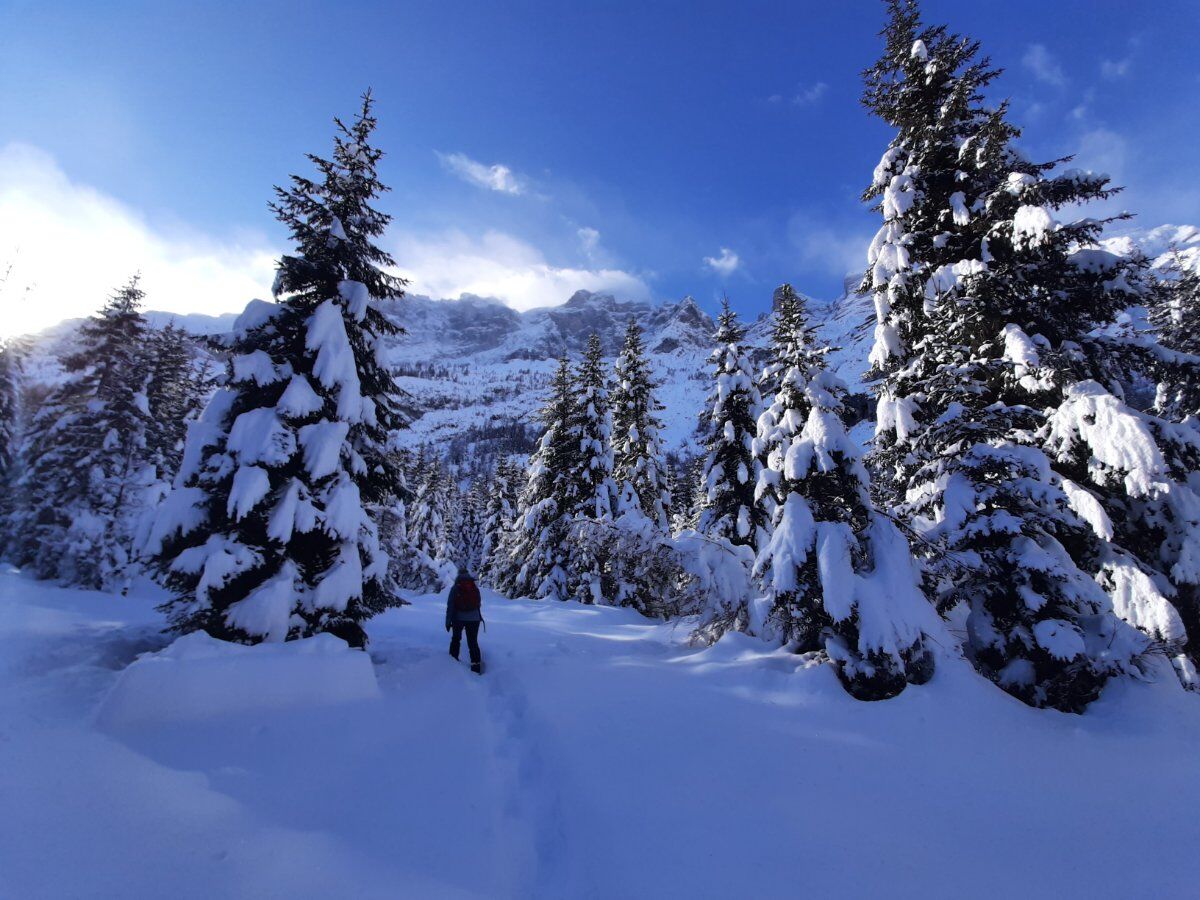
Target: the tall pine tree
(11, 359)
(727, 427)
(839, 576)
(638, 462)
(589, 570)
(500, 515)
(10, 404)
(535, 556)
(84, 472)
(179, 382)
(433, 517)
(1175, 315)
(980, 300)
(267, 534)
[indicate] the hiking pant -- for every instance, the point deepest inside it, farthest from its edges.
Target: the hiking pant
(472, 629)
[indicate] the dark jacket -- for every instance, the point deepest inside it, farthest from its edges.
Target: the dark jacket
(460, 615)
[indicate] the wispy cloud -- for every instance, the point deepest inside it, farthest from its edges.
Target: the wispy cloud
(1104, 150)
(496, 177)
(1042, 63)
(810, 94)
(832, 249)
(589, 240)
(724, 264)
(44, 215)
(496, 264)
(1114, 69)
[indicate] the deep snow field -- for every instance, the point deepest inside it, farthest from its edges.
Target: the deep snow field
(599, 756)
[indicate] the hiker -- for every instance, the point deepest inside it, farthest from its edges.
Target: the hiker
(462, 614)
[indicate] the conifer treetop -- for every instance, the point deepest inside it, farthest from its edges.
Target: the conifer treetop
(332, 220)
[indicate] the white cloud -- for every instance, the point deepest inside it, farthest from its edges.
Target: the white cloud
(72, 245)
(725, 264)
(493, 178)
(1043, 65)
(806, 96)
(499, 265)
(589, 240)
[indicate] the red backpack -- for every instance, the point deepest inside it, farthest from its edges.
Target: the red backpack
(466, 595)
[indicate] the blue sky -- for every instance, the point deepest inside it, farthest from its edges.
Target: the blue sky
(533, 147)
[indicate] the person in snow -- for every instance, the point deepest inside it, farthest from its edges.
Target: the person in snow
(463, 614)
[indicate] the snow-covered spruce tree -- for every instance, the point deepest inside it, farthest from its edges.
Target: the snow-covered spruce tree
(639, 541)
(1175, 315)
(391, 514)
(839, 576)
(969, 263)
(638, 459)
(589, 572)
(689, 496)
(1165, 529)
(177, 386)
(433, 518)
(500, 514)
(727, 429)
(84, 473)
(1056, 288)
(927, 85)
(12, 353)
(10, 404)
(1134, 477)
(793, 346)
(471, 521)
(266, 535)
(534, 557)
(1139, 464)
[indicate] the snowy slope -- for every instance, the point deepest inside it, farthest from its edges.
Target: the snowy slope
(600, 756)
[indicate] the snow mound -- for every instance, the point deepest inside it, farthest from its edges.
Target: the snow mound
(199, 677)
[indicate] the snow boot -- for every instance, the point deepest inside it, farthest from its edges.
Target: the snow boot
(453, 654)
(477, 668)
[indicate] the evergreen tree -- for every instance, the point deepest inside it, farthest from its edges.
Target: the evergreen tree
(434, 520)
(690, 496)
(928, 85)
(727, 505)
(178, 383)
(1175, 315)
(676, 490)
(500, 515)
(535, 556)
(10, 403)
(636, 544)
(638, 462)
(12, 354)
(789, 318)
(405, 567)
(981, 297)
(839, 576)
(268, 534)
(1163, 527)
(471, 525)
(589, 571)
(84, 472)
